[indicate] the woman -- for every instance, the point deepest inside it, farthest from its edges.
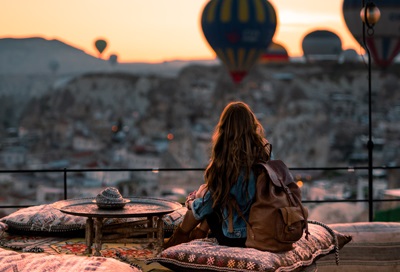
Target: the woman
(237, 144)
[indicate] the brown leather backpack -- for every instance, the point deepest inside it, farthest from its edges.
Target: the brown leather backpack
(277, 217)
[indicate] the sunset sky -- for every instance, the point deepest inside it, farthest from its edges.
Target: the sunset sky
(156, 30)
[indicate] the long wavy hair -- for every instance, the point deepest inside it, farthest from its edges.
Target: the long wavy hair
(238, 142)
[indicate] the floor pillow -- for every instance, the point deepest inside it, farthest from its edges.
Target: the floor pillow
(208, 255)
(43, 219)
(47, 220)
(173, 220)
(375, 247)
(38, 262)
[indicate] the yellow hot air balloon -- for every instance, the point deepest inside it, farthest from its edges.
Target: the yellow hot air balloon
(238, 31)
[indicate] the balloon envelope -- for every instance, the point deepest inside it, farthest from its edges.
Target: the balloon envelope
(384, 44)
(322, 45)
(238, 31)
(113, 59)
(349, 56)
(275, 53)
(100, 45)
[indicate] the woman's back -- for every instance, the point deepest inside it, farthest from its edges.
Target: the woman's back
(238, 144)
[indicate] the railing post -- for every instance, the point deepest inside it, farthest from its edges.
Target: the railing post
(65, 183)
(370, 144)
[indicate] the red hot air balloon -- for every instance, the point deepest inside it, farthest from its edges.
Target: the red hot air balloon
(100, 45)
(238, 31)
(275, 53)
(384, 44)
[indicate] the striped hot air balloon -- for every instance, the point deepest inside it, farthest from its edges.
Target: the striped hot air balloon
(275, 53)
(238, 31)
(384, 44)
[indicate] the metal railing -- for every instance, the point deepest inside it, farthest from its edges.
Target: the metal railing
(65, 172)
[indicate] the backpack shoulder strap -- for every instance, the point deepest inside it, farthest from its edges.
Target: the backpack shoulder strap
(278, 172)
(280, 176)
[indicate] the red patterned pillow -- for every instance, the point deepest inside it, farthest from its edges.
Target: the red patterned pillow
(206, 254)
(38, 262)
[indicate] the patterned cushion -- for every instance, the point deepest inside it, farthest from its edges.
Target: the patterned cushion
(45, 219)
(38, 262)
(206, 254)
(375, 247)
(172, 220)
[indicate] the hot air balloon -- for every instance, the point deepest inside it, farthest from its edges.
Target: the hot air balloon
(349, 56)
(274, 53)
(100, 45)
(384, 44)
(113, 59)
(321, 45)
(238, 31)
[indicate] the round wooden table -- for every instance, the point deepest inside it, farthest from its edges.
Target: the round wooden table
(148, 210)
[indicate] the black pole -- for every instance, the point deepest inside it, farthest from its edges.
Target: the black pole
(370, 144)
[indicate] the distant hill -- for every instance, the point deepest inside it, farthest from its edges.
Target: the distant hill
(40, 56)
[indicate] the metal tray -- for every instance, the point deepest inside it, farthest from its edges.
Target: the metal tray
(136, 207)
